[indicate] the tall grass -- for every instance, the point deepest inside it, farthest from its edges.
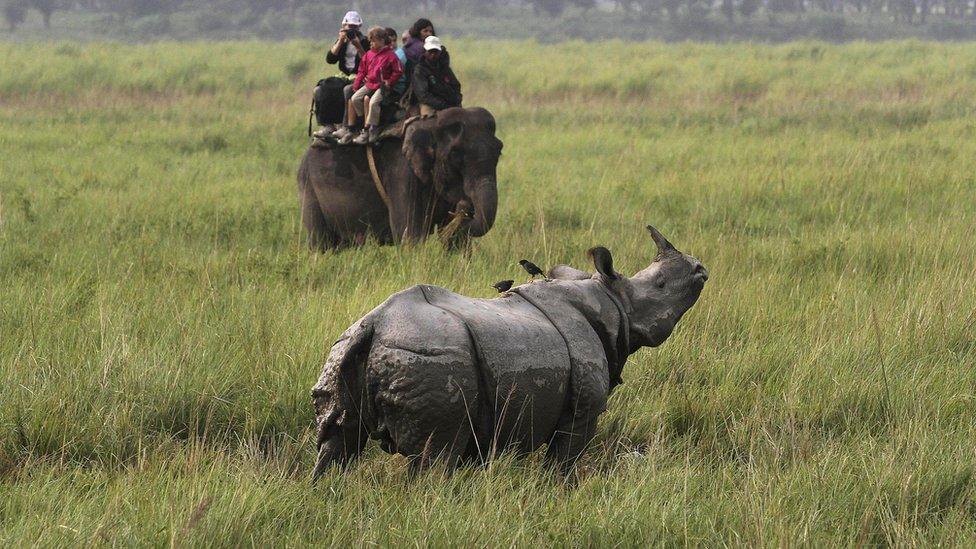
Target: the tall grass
(161, 322)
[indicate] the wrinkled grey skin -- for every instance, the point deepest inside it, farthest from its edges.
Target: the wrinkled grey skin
(430, 373)
(443, 164)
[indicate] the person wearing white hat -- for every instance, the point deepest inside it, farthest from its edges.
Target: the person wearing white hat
(347, 51)
(434, 85)
(349, 46)
(433, 43)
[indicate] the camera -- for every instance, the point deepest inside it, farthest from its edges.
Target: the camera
(352, 34)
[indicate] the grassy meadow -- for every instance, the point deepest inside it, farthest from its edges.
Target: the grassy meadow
(161, 321)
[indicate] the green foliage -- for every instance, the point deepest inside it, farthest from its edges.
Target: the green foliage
(161, 321)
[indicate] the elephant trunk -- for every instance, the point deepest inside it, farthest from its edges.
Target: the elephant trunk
(484, 197)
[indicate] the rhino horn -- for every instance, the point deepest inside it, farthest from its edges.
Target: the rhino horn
(663, 246)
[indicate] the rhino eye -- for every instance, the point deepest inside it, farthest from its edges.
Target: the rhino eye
(660, 282)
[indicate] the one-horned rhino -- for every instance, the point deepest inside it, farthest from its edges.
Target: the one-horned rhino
(430, 373)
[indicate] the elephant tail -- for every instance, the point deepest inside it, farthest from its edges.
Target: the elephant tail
(303, 174)
(338, 398)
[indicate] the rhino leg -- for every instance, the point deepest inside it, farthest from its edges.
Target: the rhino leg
(589, 390)
(338, 399)
(569, 442)
(450, 454)
(338, 447)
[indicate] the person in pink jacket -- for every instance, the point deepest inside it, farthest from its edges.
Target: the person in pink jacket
(379, 71)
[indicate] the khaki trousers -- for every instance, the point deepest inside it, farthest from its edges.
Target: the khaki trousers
(375, 97)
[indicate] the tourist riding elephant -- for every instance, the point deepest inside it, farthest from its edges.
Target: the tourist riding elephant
(442, 167)
(430, 373)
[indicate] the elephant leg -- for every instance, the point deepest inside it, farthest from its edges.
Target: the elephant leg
(459, 242)
(320, 237)
(410, 203)
(406, 224)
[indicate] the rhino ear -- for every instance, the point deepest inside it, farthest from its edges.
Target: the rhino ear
(603, 261)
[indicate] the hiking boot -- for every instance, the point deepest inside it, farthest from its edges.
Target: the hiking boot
(342, 132)
(374, 134)
(362, 138)
(324, 131)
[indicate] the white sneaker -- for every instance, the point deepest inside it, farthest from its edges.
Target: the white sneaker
(362, 138)
(324, 131)
(342, 132)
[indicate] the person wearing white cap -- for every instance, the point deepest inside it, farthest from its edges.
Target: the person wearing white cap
(348, 46)
(347, 51)
(434, 85)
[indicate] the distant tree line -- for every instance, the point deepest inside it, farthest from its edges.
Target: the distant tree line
(15, 12)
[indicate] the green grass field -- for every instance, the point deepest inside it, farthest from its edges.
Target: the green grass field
(161, 322)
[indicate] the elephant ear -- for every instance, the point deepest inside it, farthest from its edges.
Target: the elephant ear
(447, 161)
(449, 135)
(418, 149)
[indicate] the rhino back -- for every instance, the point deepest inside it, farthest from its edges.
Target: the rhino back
(523, 360)
(562, 303)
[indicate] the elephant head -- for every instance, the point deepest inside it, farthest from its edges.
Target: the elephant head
(457, 153)
(655, 298)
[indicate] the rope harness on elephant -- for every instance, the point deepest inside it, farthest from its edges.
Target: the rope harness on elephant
(399, 132)
(376, 178)
(378, 183)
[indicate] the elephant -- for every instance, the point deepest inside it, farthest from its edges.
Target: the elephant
(440, 168)
(433, 374)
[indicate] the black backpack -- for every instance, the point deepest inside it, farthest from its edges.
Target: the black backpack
(328, 102)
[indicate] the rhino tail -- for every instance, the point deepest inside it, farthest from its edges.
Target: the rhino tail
(338, 399)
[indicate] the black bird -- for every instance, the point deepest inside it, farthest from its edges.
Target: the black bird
(531, 268)
(503, 285)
